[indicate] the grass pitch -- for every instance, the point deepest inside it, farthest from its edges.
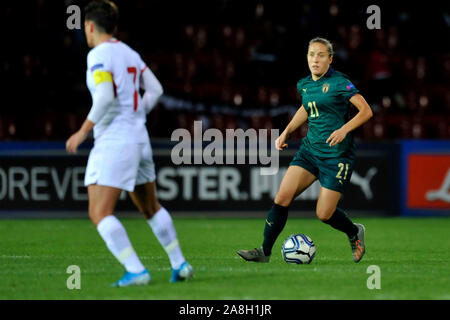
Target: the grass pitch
(413, 256)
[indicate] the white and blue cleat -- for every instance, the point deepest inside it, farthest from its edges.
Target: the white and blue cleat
(183, 273)
(133, 279)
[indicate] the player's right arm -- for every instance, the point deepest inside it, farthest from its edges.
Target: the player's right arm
(299, 118)
(101, 78)
(102, 97)
(78, 137)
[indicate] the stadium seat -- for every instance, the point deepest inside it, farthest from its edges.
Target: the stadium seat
(417, 130)
(375, 128)
(405, 128)
(8, 130)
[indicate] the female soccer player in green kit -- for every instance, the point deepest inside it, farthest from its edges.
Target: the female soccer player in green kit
(327, 152)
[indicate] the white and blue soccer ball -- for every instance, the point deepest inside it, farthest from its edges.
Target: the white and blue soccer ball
(298, 248)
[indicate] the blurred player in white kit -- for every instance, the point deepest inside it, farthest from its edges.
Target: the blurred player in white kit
(121, 158)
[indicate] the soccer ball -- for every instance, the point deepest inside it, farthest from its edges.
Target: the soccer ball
(298, 248)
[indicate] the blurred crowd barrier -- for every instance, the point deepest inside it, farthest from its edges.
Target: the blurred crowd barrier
(410, 177)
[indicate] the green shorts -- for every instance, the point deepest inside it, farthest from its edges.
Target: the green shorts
(333, 173)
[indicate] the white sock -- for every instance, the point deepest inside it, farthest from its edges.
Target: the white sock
(164, 230)
(116, 238)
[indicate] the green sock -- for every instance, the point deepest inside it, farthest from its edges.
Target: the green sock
(340, 221)
(275, 222)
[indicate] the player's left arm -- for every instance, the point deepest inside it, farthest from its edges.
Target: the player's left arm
(364, 114)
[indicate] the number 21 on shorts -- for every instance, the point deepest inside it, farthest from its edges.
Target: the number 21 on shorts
(341, 169)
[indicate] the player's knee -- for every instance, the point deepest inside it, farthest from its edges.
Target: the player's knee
(283, 198)
(323, 214)
(97, 213)
(97, 217)
(151, 208)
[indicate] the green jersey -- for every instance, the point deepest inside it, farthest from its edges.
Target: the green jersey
(327, 103)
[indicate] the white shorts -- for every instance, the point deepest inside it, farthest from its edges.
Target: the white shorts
(119, 165)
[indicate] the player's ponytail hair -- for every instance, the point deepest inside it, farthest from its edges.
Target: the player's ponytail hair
(323, 41)
(104, 14)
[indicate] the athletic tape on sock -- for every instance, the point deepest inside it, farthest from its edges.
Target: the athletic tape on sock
(125, 254)
(171, 246)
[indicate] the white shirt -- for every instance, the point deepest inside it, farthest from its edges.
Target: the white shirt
(124, 118)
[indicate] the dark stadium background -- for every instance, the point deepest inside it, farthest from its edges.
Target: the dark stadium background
(236, 55)
(233, 64)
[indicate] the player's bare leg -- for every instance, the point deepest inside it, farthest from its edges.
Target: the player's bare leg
(102, 201)
(295, 181)
(327, 203)
(328, 212)
(145, 199)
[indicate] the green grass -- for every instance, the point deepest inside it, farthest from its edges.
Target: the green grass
(413, 255)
